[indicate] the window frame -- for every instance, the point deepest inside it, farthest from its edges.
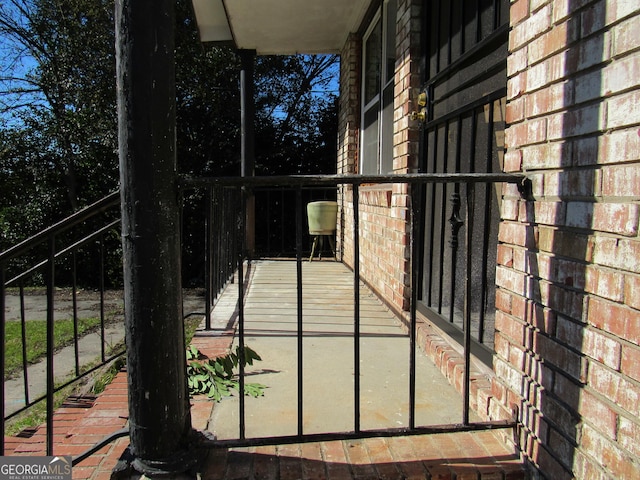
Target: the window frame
(385, 125)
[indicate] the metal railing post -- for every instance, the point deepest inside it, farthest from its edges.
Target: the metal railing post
(2, 353)
(50, 278)
(103, 353)
(74, 301)
(467, 303)
(23, 333)
(208, 259)
(416, 218)
(240, 257)
(356, 310)
(299, 304)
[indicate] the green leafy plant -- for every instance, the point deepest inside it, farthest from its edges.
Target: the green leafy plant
(217, 378)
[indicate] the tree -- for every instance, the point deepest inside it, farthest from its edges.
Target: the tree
(208, 102)
(294, 101)
(58, 140)
(58, 89)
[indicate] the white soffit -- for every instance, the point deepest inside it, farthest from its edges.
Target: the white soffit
(212, 21)
(280, 27)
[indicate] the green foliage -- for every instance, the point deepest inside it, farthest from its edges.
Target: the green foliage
(58, 128)
(58, 116)
(102, 381)
(58, 97)
(217, 378)
(296, 110)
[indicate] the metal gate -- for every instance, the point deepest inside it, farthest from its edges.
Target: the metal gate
(464, 64)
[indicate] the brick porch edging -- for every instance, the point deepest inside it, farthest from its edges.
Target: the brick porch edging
(78, 429)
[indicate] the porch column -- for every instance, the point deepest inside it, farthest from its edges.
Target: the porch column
(159, 416)
(247, 149)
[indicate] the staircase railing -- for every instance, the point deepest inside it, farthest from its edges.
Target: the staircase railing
(35, 268)
(84, 251)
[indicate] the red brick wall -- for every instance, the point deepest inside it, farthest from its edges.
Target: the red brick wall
(384, 232)
(348, 139)
(348, 136)
(568, 320)
(349, 108)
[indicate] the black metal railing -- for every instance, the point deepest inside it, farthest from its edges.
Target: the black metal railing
(222, 246)
(83, 252)
(86, 244)
(225, 253)
(464, 186)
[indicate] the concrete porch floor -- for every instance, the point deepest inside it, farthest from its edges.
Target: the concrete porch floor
(328, 359)
(270, 324)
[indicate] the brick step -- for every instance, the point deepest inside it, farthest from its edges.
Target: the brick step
(476, 455)
(78, 424)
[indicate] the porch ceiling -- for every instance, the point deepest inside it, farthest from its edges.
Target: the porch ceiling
(280, 27)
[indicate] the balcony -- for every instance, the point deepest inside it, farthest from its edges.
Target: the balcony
(349, 388)
(270, 328)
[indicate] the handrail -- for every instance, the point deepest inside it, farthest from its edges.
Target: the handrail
(64, 252)
(297, 180)
(78, 217)
(463, 210)
(28, 265)
(101, 216)
(226, 237)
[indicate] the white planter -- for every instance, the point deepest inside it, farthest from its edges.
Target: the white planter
(322, 217)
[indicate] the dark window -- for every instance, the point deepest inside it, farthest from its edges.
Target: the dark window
(378, 72)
